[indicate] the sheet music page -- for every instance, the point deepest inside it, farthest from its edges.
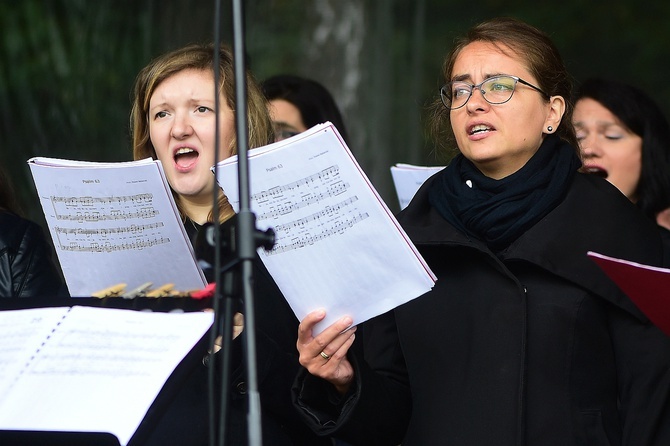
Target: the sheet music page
(21, 334)
(647, 286)
(114, 223)
(100, 371)
(408, 178)
(338, 246)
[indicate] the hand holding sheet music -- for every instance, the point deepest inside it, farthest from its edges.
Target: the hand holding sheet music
(338, 247)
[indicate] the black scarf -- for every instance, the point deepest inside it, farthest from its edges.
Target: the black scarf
(499, 211)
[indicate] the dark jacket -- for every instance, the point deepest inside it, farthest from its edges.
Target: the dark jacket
(532, 346)
(185, 420)
(27, 268)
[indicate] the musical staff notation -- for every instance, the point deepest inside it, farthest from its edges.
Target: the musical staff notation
(113, 247)
(74, 211)
(132, 229)
(93, 209)
(328, 211)
(312, 193)
(114, 222)
(338, 227)
(326, 177)
(90, 201)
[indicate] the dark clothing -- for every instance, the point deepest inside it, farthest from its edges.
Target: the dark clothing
(665, 236)
(26, 262)
(498, 211)
(531, 345)
(186, 419)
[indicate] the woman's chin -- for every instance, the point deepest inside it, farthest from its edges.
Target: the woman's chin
(193, 192)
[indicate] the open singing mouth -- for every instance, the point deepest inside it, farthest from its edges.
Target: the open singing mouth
(595, 170)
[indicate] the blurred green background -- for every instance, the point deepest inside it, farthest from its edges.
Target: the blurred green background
(67, 66)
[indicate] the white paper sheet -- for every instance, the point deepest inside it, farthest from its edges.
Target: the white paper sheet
(338, 247)
(408, 178)
(114, 223)
(21, 331)
(99, 370)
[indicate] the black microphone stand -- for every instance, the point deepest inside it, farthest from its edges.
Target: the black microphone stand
(236, 240)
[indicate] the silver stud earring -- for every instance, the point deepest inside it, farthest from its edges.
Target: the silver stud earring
(550, 129)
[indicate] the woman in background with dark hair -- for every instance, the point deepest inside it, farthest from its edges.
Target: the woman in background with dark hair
(297, 104)
(625, 138)
(26, 266)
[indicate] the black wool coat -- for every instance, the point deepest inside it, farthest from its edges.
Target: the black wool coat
(533, 345)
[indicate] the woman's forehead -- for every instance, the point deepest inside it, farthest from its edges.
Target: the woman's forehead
(488, 59)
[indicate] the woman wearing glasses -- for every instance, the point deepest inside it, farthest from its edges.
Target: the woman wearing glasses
(523, 340)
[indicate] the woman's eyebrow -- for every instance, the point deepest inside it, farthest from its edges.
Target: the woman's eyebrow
(467, 77)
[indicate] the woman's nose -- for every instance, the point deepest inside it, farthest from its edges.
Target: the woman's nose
(477, 101)
(181, 127)
(589, 146)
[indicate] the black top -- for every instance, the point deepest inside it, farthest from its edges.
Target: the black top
(27, 267)
(186, 420)
(532, 345)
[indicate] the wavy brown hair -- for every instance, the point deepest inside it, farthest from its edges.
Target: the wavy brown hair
(199, 57)
(541, 58)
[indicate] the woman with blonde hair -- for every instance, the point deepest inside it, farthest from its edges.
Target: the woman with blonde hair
(173, 120)
(190, 68)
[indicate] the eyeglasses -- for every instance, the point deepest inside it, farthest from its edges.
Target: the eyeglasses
(495, 90)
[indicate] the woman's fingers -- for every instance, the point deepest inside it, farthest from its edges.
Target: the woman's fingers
(338, 347)
(311, 346)
(325, 355)
(336, 367)
(238, 324)
(343, 375)
(307, 324)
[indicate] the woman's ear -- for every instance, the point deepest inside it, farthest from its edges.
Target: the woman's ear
(556, 111)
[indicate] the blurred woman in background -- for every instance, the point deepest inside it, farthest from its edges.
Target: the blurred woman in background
(297, 104)
(625, 138)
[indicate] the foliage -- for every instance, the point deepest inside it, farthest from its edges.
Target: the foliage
(67, 66)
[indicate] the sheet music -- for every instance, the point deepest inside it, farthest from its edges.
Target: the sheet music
(408, 178)
(114, 223)
(21, 331)
(99, 371)
(338, 246)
